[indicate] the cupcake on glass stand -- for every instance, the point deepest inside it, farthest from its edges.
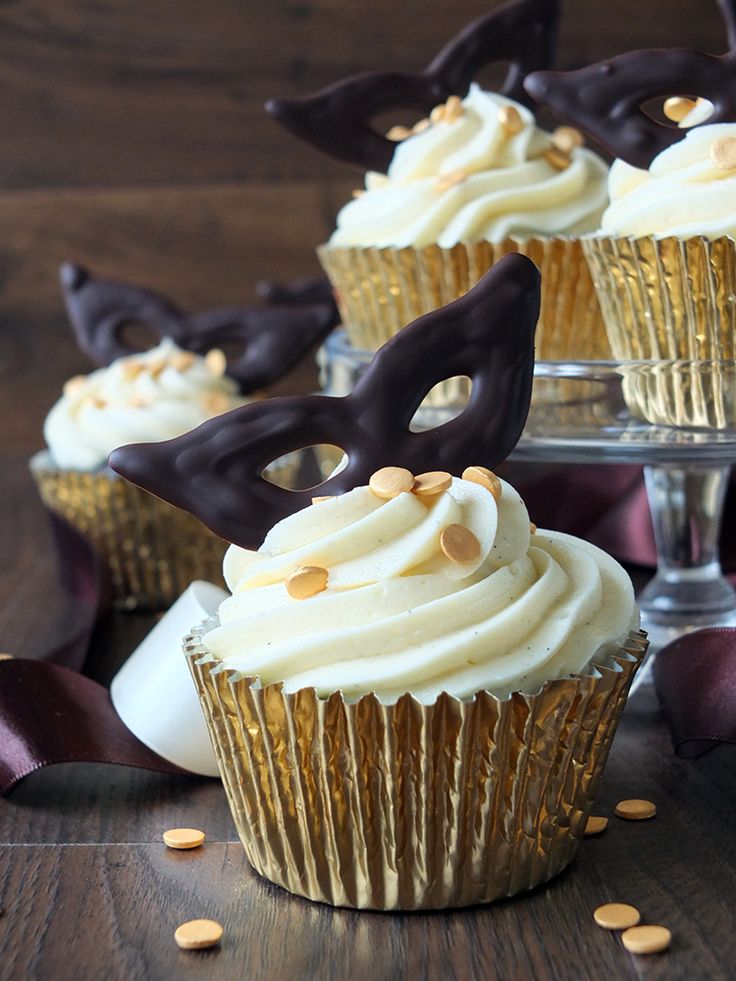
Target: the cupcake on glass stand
(664, 264)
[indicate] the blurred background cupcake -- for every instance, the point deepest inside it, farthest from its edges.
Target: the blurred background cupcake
(664, 258)
(478, 181)
(150, 551)
(474, 179)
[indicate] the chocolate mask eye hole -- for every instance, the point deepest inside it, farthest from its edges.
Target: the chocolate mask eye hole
(608, 99)
(263, 342)
(216, 470)
(340, 119)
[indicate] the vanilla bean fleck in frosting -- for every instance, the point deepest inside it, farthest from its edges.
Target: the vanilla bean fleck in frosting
(452, 592)
(143, 398)
(481, 170)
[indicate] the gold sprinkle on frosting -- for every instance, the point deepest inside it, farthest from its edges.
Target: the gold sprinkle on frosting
(306, 581)
(459, 544)
(510, 119)
(677, 107)
(723, 153)
(216, 362)
(486, 478)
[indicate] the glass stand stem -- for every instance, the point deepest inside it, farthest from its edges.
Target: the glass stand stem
(689, 589)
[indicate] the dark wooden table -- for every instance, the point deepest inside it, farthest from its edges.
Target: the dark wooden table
(89, 891)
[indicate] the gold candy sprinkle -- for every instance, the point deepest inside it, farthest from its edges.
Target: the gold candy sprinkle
(74, 385)
(556, 158)
(156, 367)
(216, 403)
(432, 483)
(646, 939)
(389, 482)
(486, 478)
(459, 544)
(453, 109)
(446, 181)
(532, 528)
(6, 657)
(99, 403)
(216, 362)
(567, 138)
(594, 825)
(635, 809)
(510, 119)
(723, 153)
(183, 838)
(398, 133)
(183, 360)
(358, 192)
(306, 581)
(319, 500)
(616, 916)
(420, 126)
(437, 115)
(677, 107)
(198, 934)
(131, 370)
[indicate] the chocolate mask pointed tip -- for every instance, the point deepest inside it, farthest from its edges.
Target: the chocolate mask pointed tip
(606, 99)
(338, 119)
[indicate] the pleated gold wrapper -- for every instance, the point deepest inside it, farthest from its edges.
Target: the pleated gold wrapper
(150, 551)
(379, 291)
(671, 302)
(410, 806)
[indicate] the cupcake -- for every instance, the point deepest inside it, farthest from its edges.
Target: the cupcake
(412, 699)
(150, 551)
(411, 691)
(663, 260)
(472, 181)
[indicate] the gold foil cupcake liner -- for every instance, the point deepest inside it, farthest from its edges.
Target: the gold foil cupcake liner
(150, 551)
(379, 291)
(671, 302)
(409, 806)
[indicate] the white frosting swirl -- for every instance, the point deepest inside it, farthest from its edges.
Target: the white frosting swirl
(683, 193)
(397, 615)
(143, 398)
(509, 187)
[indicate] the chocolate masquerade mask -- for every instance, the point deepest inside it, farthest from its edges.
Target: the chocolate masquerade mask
(215, 471)
(606, 99)
(271, 339)
(337, 118)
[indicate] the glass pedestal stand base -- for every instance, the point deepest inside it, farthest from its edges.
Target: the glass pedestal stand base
(579, 415)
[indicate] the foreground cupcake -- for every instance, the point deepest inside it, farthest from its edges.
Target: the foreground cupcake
(411, 691)
(150, 550)
(472, 181)
(664, 258)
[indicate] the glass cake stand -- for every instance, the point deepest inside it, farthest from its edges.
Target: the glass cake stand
(579, 415)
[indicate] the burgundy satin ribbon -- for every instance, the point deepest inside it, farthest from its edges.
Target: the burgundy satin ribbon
(695, 679)
(49, 713)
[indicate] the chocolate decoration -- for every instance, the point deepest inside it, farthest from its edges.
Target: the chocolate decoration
(272, 338)
(215, 471)
(337, 119)
(605, 99)
(298, 292)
